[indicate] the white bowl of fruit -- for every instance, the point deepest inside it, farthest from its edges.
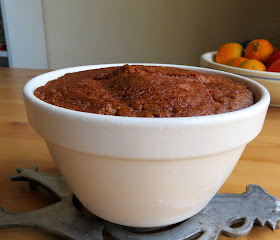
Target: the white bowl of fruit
(259, 60)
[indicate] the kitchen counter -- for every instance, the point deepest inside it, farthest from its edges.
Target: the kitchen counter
(20, 146)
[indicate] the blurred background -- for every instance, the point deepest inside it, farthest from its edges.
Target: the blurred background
(56, 34)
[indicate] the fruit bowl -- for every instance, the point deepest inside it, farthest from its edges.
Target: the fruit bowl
(271, 80)
(144, 172)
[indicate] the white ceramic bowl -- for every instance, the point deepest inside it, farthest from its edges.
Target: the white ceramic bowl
(144, 172)
(271, 80)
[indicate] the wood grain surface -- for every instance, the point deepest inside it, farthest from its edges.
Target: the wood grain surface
(20, 146)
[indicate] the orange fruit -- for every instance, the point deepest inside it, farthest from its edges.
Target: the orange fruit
(259, 49)
(229, 51)
(236, 61)
(252, 64)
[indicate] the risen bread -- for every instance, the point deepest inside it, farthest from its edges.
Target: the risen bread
(146, 91)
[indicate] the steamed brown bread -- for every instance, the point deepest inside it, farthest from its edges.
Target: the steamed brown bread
(146, 91)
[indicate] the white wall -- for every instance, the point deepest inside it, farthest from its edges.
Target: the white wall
(164, 31)
(24, 33)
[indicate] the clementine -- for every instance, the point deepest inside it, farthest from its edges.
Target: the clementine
(253, 64)
(259, 49)
(236, 61)
(229, 51)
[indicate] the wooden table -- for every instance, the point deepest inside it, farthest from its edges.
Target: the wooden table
(20, 146)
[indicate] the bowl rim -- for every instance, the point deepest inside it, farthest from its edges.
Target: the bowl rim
(208, 58)
(32, 84)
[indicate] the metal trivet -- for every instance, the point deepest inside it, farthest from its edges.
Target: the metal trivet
(220, 216)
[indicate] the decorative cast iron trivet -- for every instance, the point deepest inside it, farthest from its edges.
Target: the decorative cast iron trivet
(218, 217)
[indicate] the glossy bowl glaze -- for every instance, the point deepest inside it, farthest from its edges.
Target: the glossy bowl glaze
(271, 80)
(144, 172)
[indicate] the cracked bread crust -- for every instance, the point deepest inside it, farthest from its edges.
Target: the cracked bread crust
(146, 91)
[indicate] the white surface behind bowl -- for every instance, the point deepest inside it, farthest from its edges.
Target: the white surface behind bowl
(144, 172)
(271, 80)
